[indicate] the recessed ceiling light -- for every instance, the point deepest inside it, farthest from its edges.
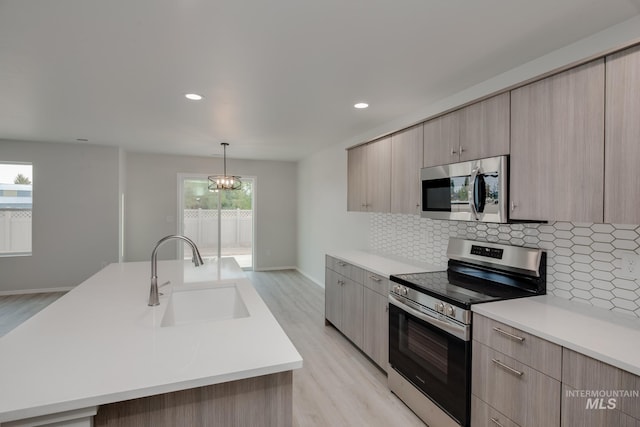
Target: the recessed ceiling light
(193, 96)
(361, 105)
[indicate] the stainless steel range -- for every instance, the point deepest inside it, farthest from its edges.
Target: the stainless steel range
(430, 323)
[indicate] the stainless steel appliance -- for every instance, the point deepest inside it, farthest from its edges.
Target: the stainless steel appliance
(430, 323)
(468, 191)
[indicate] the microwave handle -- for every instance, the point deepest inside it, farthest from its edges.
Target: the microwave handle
(472, 192)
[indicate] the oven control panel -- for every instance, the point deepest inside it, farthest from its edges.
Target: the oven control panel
(488, 252)
(434, 304)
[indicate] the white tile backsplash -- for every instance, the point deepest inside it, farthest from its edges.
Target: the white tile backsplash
(583, 260)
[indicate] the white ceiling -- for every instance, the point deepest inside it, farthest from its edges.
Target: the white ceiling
(279, 77)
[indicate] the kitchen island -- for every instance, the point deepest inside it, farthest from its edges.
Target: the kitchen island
(101, 349)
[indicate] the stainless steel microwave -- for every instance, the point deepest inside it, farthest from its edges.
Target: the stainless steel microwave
(467, 191)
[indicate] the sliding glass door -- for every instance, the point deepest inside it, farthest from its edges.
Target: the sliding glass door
(198, 212)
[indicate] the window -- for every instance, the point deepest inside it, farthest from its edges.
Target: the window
(198, 213)
(16, 201)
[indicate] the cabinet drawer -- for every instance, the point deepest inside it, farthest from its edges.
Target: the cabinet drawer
(344, 268)
(536, 352)
(528, 397)
(483, 415)
(376, 282)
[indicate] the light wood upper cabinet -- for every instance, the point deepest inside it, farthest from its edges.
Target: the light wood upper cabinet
(357, 179)
(406, 162)
(622, 139)
(557, 147)
(484, 128)
(379, 175)
(441, 140)
(369, 177)
(474, 132)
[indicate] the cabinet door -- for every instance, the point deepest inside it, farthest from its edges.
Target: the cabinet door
(378, 172)
(442, 140)
(484, 128)
(333, 297)
(557, 147)
(376, 327)
(352, 311)
(357, 179)
(406, 162)
(622, 150)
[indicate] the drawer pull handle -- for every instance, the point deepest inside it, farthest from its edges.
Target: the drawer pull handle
(375, 279)
(342, 264)
(508, 368)
(496, 422)
(515, 337)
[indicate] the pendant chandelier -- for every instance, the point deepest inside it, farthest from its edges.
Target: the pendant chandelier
(224, 182)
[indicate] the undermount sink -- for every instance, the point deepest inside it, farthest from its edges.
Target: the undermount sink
(204, 304)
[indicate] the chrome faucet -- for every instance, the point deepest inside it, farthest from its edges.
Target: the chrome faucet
(197, 261)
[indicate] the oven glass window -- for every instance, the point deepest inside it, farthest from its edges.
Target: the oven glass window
(425, 347)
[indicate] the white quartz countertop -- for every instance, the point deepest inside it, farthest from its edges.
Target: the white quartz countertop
(384, 265)
(593, 331)
(102, 343)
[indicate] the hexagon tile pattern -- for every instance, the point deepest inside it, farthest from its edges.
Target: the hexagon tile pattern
(583, 260)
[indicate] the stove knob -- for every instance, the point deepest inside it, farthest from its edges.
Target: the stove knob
(404, 291)
(451, 312)
(440, 307)
(396, 289)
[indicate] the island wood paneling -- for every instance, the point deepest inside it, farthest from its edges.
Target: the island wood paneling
(260, 401)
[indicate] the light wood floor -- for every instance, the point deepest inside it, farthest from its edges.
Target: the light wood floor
(338, 385)
(15, 309)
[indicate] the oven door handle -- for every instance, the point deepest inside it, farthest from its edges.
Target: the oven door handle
(458, 331)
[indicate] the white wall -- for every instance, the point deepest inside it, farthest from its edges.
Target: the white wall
(326, 226)
(75, 215)
(151, 204)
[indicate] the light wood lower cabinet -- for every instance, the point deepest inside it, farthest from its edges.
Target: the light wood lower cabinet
(515, 377)
(528, 397)
(358, 307)
(376, 327)
(519, 379)
(353, 311)
(333, 297)
(593, 393)
(538, 353)
(344, 305)
(483, 415)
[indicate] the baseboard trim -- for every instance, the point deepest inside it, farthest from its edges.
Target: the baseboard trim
(314, 281)
(275, 268)
(35, 291)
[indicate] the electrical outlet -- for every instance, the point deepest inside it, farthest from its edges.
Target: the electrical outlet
(630, 265)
